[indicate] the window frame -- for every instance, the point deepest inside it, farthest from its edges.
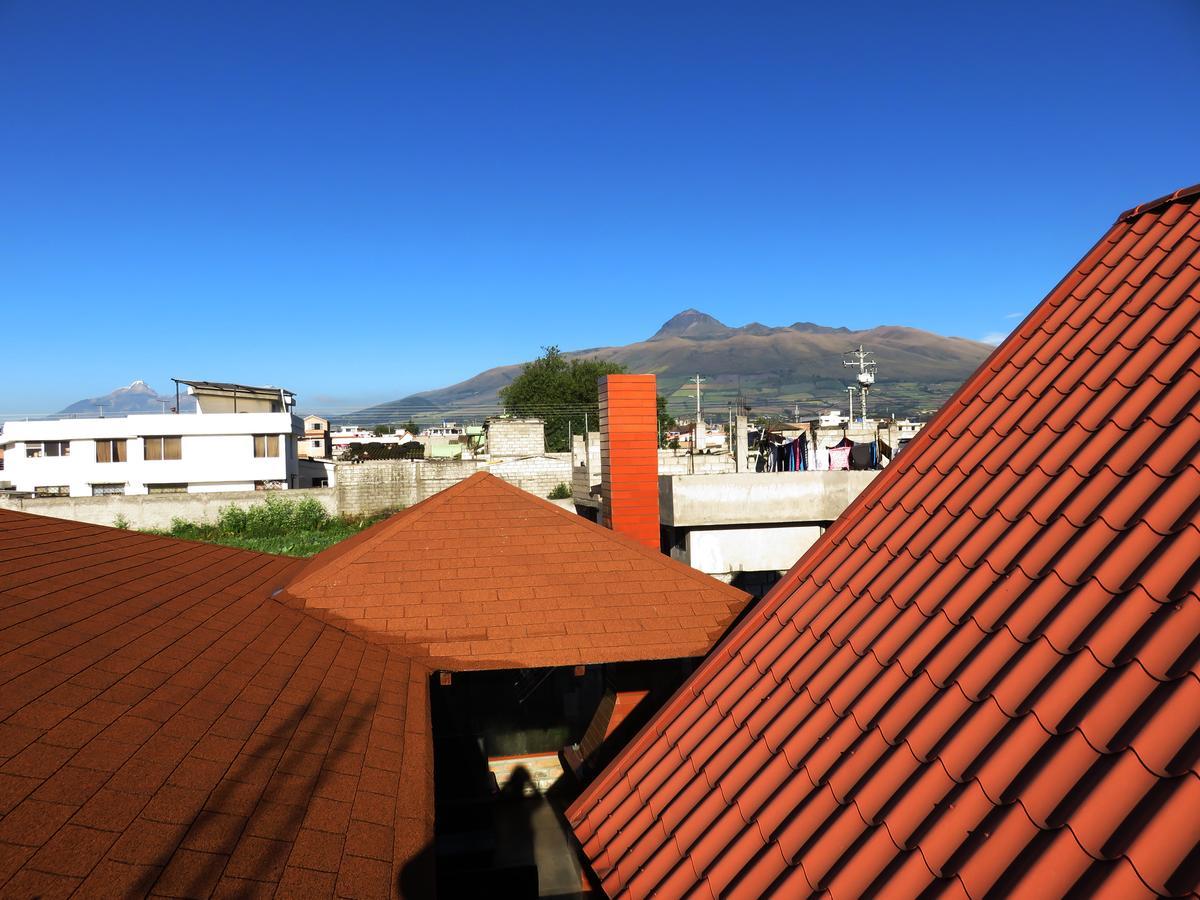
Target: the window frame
(264, 444)
(160, 441)
(117, 447)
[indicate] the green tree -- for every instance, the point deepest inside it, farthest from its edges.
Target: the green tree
(666, 422)
(380, 430)
(560, 391)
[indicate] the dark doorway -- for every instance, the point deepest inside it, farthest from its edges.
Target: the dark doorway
(512, 749)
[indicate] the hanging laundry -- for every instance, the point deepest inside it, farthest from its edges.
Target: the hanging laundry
(839, 458)
(862, 456)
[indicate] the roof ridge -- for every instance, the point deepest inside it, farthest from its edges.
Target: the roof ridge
(1184, 193)
(342, 554)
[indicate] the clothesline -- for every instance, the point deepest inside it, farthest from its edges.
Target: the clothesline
(795, 455)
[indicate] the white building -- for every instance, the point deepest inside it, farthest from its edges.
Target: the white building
(240, 438)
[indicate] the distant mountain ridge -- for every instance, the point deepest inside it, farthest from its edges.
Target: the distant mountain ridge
(696, 325)
(790, 369)
(137, 397)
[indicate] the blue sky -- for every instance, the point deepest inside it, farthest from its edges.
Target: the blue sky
(362, 200)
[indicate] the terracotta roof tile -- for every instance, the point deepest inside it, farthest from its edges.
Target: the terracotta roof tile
(983, 679)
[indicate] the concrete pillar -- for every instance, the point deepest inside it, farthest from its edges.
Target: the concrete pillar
(741, 444)
(629, 456)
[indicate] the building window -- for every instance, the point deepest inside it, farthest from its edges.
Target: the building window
(111, 450)
(107, 490)
(166, 488)
(47, 448)
(316, 445)
(52, 490)
(266, 445)
(164, 448)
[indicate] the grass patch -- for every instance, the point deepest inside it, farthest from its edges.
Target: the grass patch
(280, 525)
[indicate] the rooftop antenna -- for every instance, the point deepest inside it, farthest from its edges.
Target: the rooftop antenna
(867, 367)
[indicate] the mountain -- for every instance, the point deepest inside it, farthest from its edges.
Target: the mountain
(775, 369)
(138, 397)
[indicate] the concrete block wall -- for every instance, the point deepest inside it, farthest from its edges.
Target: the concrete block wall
(157, 510)
(516, 437)
(378, 485)
(680, 462)
(629, 456)
(538, 475)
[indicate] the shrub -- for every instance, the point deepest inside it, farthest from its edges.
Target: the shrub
(121, 522)
(561, 492)
(232, 520)
(272, 517)
(309, 515)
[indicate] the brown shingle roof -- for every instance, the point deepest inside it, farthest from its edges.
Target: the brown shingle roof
(168, 727)
(173, 722)
(982, 680)
(485, 575)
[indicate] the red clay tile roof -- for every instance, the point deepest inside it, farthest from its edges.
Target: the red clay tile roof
(983, 679)
(167, 727)
(485, 575)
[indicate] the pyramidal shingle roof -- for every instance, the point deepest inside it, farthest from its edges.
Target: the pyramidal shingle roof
(982, 680)
(485, 575)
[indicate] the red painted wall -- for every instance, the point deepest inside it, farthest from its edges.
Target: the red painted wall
(629, 456)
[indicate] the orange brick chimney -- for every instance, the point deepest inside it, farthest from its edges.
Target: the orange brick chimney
(629, 456)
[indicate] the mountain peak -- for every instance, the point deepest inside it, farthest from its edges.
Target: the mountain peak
(691, 323)
(137, 397)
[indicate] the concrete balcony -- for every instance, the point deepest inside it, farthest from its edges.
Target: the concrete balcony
(757, 498)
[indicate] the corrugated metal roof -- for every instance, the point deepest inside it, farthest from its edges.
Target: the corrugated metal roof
(982, 681)
(239, 388)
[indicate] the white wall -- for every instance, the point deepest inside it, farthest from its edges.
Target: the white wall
(727, 551)
(217, 452)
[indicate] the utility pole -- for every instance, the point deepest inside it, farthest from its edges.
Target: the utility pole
(850, 391)
(867, 367)
(697, 429)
